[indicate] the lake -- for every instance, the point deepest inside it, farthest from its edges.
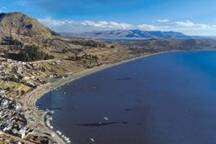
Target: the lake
(162, 99)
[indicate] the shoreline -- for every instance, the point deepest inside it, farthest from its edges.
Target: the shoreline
(31, 98)
(50, 86)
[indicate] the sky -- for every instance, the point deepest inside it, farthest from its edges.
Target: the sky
(193, 17)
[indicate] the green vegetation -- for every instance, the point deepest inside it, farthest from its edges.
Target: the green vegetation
(10, 85)
(30, 53)
(11, 41)
(112, 46)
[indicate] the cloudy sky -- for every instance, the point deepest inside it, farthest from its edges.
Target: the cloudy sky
(194, 17)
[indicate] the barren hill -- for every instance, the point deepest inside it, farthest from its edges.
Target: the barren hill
(20, 26)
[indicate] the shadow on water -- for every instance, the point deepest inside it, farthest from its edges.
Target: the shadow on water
(102, 124)
(124, 78)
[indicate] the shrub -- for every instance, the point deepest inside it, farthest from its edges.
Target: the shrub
(30, 53)
(11, 41)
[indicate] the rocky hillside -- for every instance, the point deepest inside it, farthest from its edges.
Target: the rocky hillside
(21, 27)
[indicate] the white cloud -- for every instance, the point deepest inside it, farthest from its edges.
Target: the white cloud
(190, 24)
(187, 23)
(107, 24)
(163, 20)
(61, 25)
(52, 22)
(187, 26)
(147, 27)
(151, 27)
(2, 9)
(86, 25)
(193, 28)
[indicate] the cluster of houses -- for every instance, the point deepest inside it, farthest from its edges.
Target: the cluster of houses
(12, 119)
(26, 73)
(6, 139)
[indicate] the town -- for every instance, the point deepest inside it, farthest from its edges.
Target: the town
(17, 79)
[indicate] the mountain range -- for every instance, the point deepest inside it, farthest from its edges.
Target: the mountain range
(129, 34)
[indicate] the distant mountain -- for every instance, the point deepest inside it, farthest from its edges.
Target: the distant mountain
(130, 34)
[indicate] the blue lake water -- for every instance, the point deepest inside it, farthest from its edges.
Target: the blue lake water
(163, 99)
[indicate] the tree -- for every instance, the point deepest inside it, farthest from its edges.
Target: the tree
(30, 53)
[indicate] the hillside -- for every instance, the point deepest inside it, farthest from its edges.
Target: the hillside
(17, 24)
(23, 28)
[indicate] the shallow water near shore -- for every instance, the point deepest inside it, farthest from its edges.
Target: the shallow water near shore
(162, 99)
